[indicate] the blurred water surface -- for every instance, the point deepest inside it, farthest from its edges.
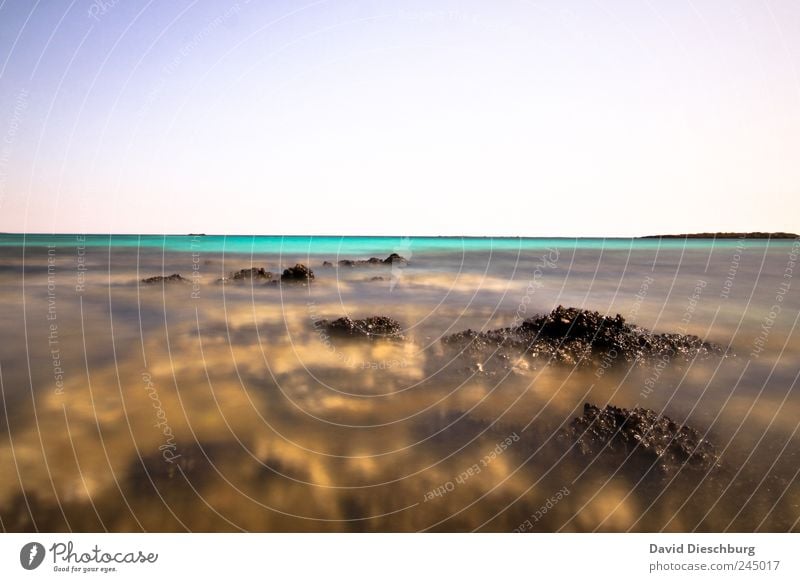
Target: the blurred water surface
(213, 407)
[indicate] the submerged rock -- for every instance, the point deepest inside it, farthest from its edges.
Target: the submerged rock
(372, 261)
(640, 435)
(174, 278)
(252, 273)
(580, 337)
(376, 327)
(359, 262)
(395, 258)
(297, 273)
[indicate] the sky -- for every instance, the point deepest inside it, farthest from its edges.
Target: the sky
(369, 117)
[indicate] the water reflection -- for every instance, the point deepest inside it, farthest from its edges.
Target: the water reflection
(224, 410)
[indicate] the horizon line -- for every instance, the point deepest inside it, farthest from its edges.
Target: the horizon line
(708, 235)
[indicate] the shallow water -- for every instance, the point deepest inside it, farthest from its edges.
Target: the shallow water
(211, 407)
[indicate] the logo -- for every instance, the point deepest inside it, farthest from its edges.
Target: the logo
(31, 555)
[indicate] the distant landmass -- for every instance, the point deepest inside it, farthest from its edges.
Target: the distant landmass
(726, 235)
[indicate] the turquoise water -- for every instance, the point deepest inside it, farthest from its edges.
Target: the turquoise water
(354, 245)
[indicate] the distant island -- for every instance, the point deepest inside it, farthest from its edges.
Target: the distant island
(726, 235)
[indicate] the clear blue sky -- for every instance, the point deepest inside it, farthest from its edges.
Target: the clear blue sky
(383, 117)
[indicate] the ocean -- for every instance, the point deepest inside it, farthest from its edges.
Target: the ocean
(204, 405)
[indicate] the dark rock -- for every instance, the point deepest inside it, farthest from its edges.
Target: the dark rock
(174, 278)
(377, 279)
(252, 273)
(372, 261)
(640, 436)
(360, 262)
(395, 258)
(297, 273)
(579, 337)
(377, 327)
(327, 264)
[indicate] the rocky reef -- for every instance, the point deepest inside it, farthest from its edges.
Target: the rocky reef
(252, 273)
(392, 259)
(640, 436)
(579, 337)
(395, 258)
(174, 278)
(298, 273)
(376, 327)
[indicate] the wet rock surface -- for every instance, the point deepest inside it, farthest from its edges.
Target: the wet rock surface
(579, 337)
(392, 259)
(360, 262)
(252, 273)
(174, 278)
(377, 327)
(640, 436)
(298, 273)
(395, 258)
